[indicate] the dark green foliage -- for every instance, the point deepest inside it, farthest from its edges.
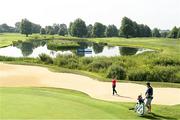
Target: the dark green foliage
(126, 28)
(67, 61)
(5, 28)
(46, 58)
(89, 31)
(164, 33)
(117, 72)
(111, 31)
(130, 28)
(166, 61)
(36, 28)
(178, 35)
(17, 27)
(173, 33)
(78, 28)
(155, 33)
(49, 30)
(63, 30)
(99, 65)
(56, 28)
(42, 31)
(99, 30)
(26, 27)
(70, 27)
(136, 74)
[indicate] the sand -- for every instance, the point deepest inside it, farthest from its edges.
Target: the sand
(33, 76)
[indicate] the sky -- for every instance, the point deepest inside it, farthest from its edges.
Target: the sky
(163, 14)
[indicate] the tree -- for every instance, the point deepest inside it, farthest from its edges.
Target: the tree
(89, 30)
(17, 26)
(78, 28)
(56, 28)
(42, 31)
(136, 32)
(70, 27)
(178, 35)
(127, 27)
(111, 31)
(36, 28)
(155, 33)
(62, 29)
(26, 27)
(147, 31)
(99, 30)
(5, 28)
(49, 30)
(173, 33)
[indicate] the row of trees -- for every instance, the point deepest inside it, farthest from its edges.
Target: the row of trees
(78, 28)
(5, 28)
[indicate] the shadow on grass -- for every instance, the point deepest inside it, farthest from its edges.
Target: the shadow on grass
(157, 117)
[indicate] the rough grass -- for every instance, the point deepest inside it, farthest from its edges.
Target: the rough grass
(51, 103)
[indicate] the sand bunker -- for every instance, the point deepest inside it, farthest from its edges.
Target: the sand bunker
(28, 76)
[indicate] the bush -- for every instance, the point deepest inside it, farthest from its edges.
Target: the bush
(67, 61)
(46, 58)
(139, 74)
(165, 61)
(116, 71)
(99, 65)
(157, 74)
(163, 74)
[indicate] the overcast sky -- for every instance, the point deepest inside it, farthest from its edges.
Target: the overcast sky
(163, 14)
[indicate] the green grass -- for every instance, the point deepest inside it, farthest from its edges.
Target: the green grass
(51, 103)
(62, 45)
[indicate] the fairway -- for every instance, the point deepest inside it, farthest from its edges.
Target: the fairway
(50, 103)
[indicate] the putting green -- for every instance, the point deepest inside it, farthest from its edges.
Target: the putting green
(51, 103)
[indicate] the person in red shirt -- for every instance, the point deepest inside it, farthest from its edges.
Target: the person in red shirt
(114, 85)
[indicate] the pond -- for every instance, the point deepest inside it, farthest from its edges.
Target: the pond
(87, 49)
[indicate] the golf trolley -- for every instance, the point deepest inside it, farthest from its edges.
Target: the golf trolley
(140, 107)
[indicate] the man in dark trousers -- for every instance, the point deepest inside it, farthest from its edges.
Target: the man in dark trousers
(149, 96)
(114, 85)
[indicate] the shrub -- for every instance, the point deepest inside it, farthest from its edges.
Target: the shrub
(46, 58)
(72, 63)
(163, 74)
(165, 61)
(116, 71)
(99, 65)
(67, 61)
(139, 74)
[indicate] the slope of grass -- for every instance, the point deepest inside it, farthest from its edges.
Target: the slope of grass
(51, 103)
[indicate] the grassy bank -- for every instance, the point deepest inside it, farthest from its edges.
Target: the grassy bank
(50, 103)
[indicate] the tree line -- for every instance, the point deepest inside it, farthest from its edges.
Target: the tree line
(78, 28)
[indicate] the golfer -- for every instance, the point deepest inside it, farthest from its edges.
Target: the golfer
(149, 96)
(114, 85)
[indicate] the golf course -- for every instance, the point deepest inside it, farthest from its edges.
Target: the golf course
(36, 92)
(90, 60)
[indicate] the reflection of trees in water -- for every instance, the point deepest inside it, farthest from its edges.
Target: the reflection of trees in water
(28, 46)
(128, 50)
(98, 48)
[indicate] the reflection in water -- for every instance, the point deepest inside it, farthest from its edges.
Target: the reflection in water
(36, 47)
(127, 51)
(98, 48)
